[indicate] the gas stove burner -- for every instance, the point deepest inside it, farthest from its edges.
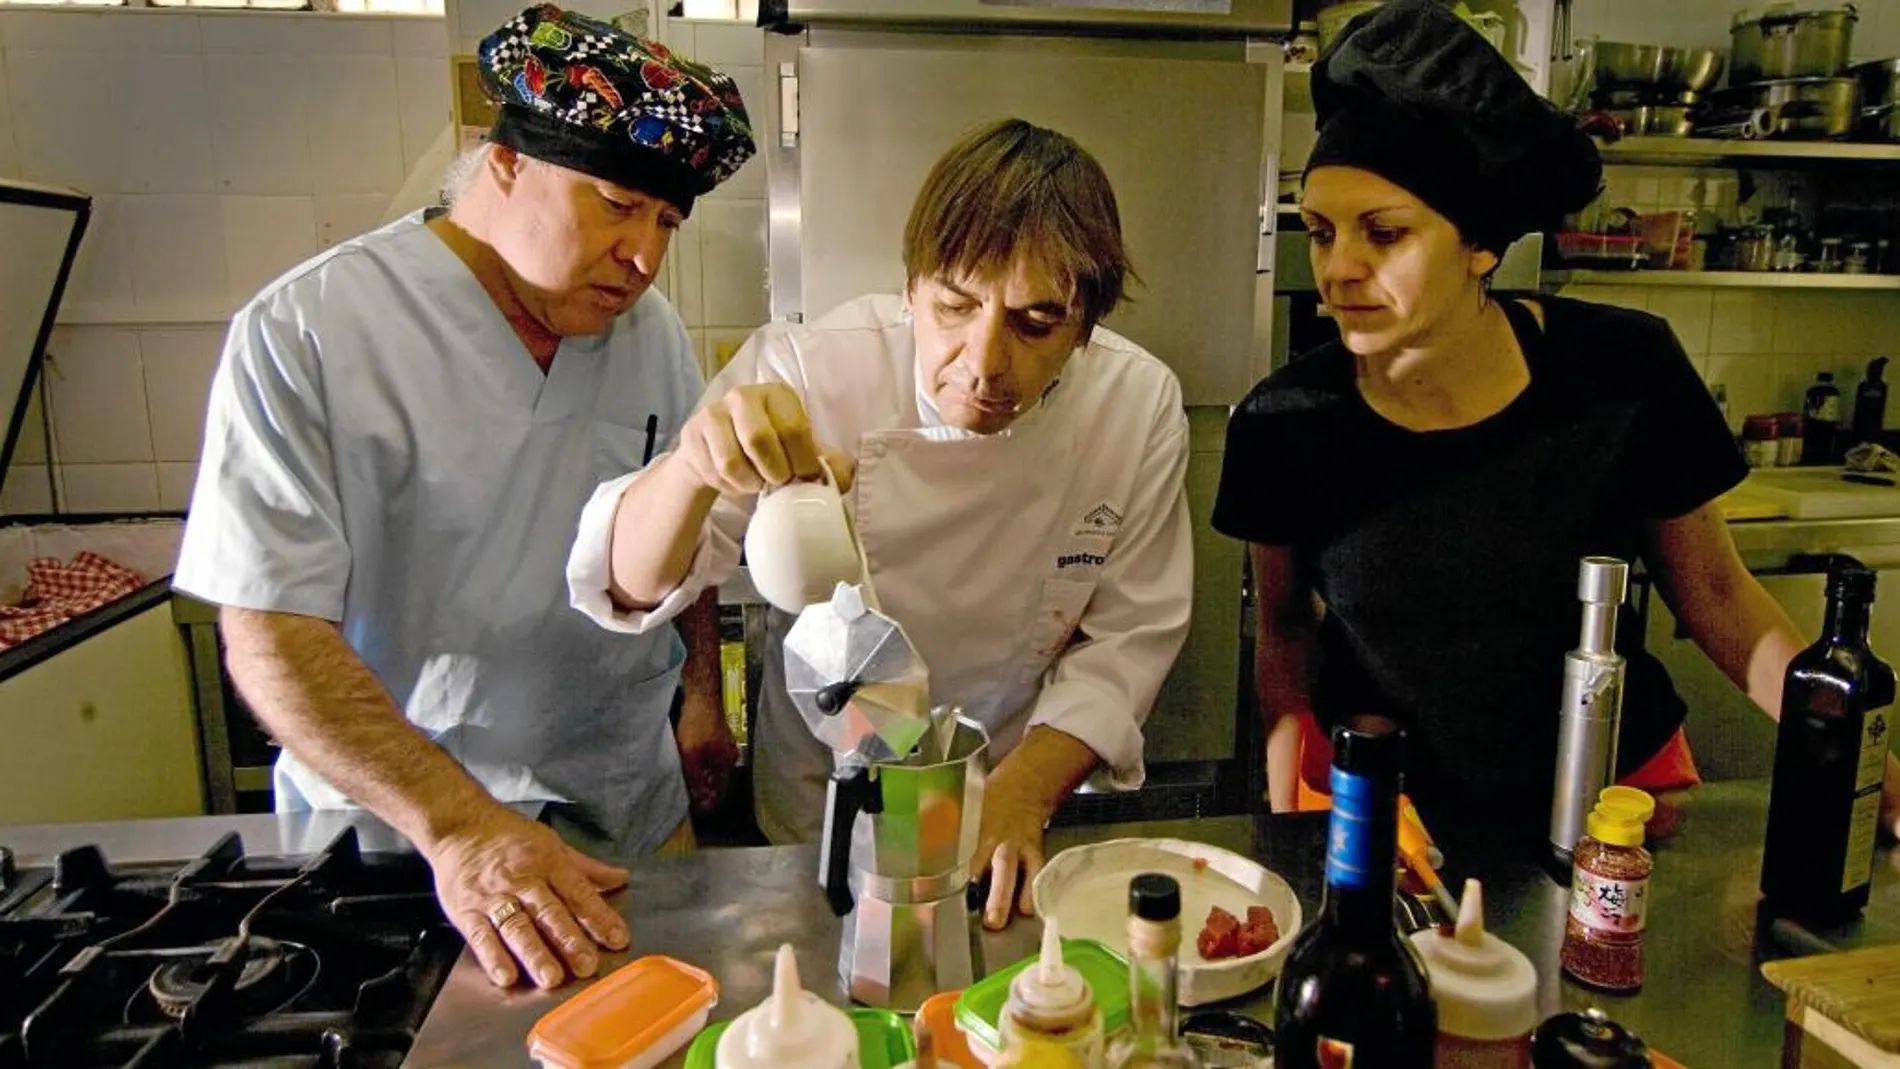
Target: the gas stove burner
(99, 961)
(275, 973)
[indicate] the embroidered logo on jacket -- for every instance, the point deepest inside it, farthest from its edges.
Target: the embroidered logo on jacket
(1100, 520)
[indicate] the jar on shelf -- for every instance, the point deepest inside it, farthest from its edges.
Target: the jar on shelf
(1754, 248)
(1829, 261)
(1858, 260)
(1788, 255)
(1792, 427)
(1760, 437)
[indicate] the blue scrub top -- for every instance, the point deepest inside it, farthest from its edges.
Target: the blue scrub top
(382, 451)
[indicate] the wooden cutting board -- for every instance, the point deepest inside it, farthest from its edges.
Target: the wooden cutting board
(1820, 494)
(1848, 1002)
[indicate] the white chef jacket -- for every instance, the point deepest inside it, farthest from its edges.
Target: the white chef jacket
(381, 451)
(1044, 573)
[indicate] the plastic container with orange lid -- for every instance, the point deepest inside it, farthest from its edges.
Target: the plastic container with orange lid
(633, 1018)
(939, 1015)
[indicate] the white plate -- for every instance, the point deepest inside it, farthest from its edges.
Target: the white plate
(1085, 888)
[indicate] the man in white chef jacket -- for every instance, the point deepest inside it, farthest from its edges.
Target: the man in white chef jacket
(401, 436)
(1019, 490)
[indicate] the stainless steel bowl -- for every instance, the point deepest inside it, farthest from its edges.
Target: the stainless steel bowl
(1621, 66)
(1694, 69)
(1666, 120)
(1618, 64)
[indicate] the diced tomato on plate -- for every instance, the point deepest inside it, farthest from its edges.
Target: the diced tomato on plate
(1220, 936)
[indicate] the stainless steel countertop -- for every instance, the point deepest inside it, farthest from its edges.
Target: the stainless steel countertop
(728, 910)
(1705, 1002)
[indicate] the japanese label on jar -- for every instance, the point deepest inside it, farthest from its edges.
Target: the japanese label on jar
(1607, 905)
(1334, 1054)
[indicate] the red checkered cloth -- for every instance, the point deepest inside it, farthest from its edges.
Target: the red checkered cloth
(57, 592)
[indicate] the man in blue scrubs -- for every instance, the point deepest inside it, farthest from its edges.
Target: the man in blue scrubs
(401, 436)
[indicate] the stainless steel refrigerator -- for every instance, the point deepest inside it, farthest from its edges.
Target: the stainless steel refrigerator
(1180, 101)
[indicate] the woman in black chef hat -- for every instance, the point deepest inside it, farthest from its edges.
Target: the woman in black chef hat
(1460, 452)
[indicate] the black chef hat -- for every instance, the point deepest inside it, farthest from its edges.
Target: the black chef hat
(1413, 94)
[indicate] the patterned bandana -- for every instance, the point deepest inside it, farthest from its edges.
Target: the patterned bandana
(580, 93)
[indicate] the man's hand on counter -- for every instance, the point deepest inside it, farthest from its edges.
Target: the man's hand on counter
(1020, 797)
(1009, 848)
(525, 900)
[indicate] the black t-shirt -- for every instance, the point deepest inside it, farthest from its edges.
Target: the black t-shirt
(1448, 559)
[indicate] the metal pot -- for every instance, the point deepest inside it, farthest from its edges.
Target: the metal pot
(1784, 43)
(1880, 90)
(1799, 109)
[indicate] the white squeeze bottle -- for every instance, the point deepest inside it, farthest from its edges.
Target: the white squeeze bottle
(1051, 1017)
(791, 1029)
(1485, 989)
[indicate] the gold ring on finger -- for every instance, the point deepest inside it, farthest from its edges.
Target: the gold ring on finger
(502, 912)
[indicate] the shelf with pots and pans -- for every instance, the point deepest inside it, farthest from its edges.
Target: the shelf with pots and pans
(1803, 280)
(1791, 101)
(1791, 96)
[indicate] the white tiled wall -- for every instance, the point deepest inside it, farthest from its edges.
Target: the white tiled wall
(126, 408)
(1766, 349)
(220, 150)
(716, 267)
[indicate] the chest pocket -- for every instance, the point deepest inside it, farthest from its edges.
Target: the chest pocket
(619, 449)
(1052, 624)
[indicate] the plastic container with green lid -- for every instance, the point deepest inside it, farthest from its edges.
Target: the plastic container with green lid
(979, 1011)
(884, 1041)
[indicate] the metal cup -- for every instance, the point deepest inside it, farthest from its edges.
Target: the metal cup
(928, 825)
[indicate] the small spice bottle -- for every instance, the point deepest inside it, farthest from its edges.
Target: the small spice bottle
(1609, 893)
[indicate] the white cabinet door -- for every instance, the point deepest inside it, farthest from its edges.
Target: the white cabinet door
(103, 730)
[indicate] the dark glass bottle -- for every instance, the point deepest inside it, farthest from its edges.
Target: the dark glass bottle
(1820, 420)
(1830, 751)
(1352, 992)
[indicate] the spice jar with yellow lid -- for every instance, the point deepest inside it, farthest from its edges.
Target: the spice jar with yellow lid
(1609, 893)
